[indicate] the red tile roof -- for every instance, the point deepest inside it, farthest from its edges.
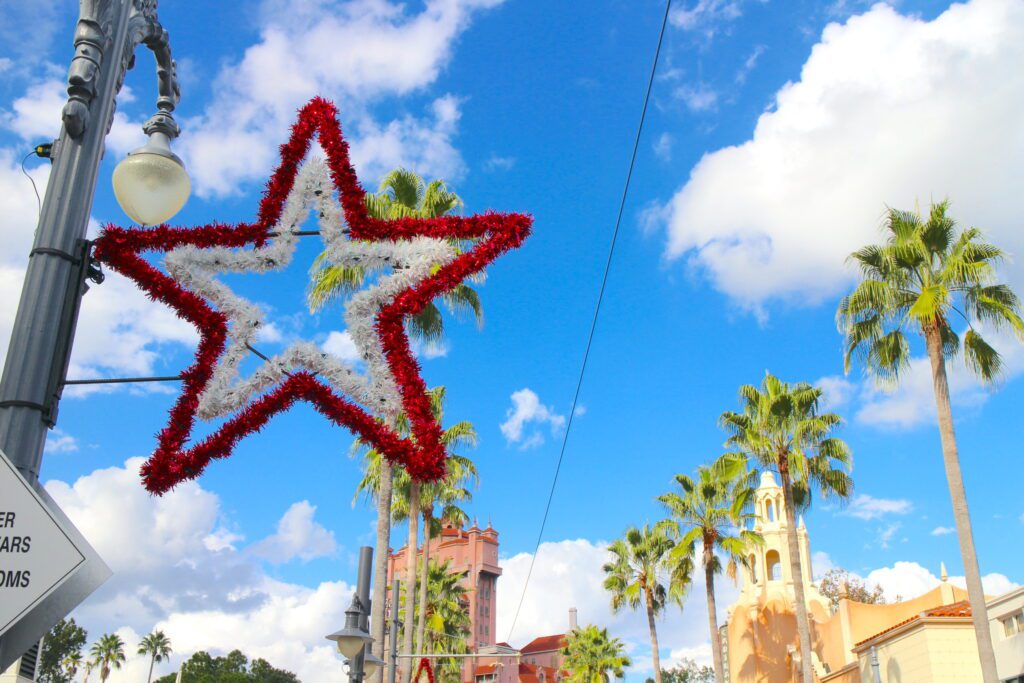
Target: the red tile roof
(530, 673)
(545, 644)
(956, 609)
(485, 669)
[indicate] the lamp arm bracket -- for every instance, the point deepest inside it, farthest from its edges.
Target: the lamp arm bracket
(93, 41)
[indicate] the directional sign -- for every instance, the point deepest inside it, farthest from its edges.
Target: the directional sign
(46, 566)
(36, 554)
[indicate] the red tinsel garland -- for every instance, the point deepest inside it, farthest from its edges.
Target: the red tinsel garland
(424, 665)
(423, 456)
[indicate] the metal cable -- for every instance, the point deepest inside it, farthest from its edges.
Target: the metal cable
(597, 310)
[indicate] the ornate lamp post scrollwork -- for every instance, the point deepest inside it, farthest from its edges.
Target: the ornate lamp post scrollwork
(94, 40)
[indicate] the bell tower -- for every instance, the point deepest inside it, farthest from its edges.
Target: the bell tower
(769, 564)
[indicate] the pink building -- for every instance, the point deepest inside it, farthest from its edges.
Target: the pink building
(474, 552)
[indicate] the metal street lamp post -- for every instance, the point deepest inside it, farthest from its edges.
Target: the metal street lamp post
(151, 186)
(354, 640)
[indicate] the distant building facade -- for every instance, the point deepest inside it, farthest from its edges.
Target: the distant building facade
(924, 640)
(474, 553)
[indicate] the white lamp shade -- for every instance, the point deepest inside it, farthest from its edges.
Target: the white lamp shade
(151, 187)
(350, 645)
(370, 664)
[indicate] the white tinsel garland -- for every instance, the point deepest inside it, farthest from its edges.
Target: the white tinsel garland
(411, 261)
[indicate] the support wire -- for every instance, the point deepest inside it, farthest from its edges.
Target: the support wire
(597, 311)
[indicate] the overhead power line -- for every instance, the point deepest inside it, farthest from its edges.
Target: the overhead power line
(597, 311)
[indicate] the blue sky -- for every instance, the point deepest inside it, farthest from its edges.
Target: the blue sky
(778, 133)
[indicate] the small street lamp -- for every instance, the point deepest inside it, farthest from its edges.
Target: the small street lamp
(351, 639)
(354, 640)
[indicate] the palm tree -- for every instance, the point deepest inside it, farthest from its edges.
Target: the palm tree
(713, 509)
(448, 624)
(108, 652)
(405, 499)
(591, 656)
(644, 572)
(781, 429)
(439, 501)
(89, 666)
(158, 647)
(401, 194)
(70, 663)
(927, 272)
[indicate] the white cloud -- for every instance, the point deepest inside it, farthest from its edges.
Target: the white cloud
(59, 442)
(663, 146)
(499, 163)
(706, 17)
(35, 116)
(836, 392)
(176, 569)
(886, 533)
(943, 531)
(297, 535)
(749, 64)
(864, 506)
(527, 409)
(356, 53)
(884, 113)
(698, 97)
(341, 345)
(908, 580)
(568, 574)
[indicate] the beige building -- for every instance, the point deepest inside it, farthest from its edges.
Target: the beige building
(924, 640)
(1006, 616)
(24, 668)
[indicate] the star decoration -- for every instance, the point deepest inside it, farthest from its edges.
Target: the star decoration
(423, 263)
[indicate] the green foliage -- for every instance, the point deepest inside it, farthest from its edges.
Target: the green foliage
(57, 660)
(445, 494)
(234, 667)
(157, 646)
(927, 272)
(838, 582)
(688, 672)
(780, 428)
(712, 509)
(592, 656)
(402, 194)
(107, 653)
(644, 571)
(448, 624)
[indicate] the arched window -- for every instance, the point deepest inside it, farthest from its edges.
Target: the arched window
(769, 511)
(773, 569)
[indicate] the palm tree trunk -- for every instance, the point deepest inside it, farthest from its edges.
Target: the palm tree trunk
(421, 619)
(961, 514)
(716, 641)
(803, 622)
(380, 564)
(410, 578)
(655, 661)
(152, 660)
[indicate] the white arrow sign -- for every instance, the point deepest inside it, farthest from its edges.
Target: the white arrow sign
(36, 554)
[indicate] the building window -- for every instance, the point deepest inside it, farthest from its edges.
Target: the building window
(1013, 624)
(773, 566)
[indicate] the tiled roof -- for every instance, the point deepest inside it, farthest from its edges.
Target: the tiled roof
(484, 669)
(530, 673)
(545, 644)
(956, 609)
